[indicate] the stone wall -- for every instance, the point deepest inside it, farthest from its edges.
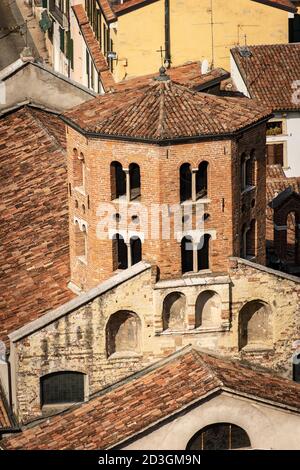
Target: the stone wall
(77, 339)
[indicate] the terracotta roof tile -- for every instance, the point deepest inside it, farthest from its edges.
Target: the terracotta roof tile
(164, 110)
(128, 5)
(270, 73)
(34, 244)
(187, 74)
(107, 10)
(146, 398)
(281, 4)
(93, 45)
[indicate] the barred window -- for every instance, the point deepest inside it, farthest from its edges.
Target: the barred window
(62, 387)
(220, 436)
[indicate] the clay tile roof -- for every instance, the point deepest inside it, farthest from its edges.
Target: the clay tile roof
(277, 182)
(147, 398)
(93, 46)
(281, 4)
(128, 5)
(187, 74)
(270, 74)
(107, 10)
(164, 111)
(34, 244)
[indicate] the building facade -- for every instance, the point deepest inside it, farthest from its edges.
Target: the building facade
(143, 297)
(270, 74)
(89, 40)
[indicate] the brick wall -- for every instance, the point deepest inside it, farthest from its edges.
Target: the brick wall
(160, 184)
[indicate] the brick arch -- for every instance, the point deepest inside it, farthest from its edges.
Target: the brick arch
(135, 181)
(284, 231)
(123, 333)
(117, 180)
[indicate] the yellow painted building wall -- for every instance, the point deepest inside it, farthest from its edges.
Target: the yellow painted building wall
(140, 33)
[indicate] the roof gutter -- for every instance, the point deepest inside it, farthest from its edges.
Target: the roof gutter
(165, 142)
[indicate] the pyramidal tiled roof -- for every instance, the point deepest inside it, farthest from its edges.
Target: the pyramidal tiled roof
(164, 110)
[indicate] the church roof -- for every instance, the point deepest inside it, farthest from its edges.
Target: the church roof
(149, 397)
(34, 240)
(163, 111)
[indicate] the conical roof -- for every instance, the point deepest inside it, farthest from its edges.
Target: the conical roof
(165, 111)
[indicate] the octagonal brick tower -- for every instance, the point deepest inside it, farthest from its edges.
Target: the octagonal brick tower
(163, 147)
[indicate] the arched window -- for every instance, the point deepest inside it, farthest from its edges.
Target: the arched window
(135, 181)
(174, 311)
(185, 182)
(123, 333)
(80, 241)
(136, 250)
(62, 387)
(79, 169)
(208, 310)
(250, 169)
(186, 255)
(255, 325)
(296, 368)
(221, 436)
(117, 180)
(203, 253)
(120, 253)
(202, 181)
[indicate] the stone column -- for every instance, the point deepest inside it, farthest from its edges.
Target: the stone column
(195, 257)
(126, 170)
(129, 258)
(194, 179)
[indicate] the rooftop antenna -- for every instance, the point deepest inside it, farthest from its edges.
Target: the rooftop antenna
(240, 27)
(212, 24)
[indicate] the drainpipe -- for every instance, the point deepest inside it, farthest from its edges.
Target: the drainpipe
(167, 35)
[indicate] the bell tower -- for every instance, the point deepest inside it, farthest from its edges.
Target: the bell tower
(170, 176)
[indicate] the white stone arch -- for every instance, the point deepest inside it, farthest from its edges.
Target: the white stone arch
(208, 310)
(255, 324)
(174, 311)
(122, 326)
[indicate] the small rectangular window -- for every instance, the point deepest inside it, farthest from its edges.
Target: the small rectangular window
(62, 387)
(275, 154)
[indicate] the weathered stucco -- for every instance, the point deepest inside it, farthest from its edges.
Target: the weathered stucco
(267, 427)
